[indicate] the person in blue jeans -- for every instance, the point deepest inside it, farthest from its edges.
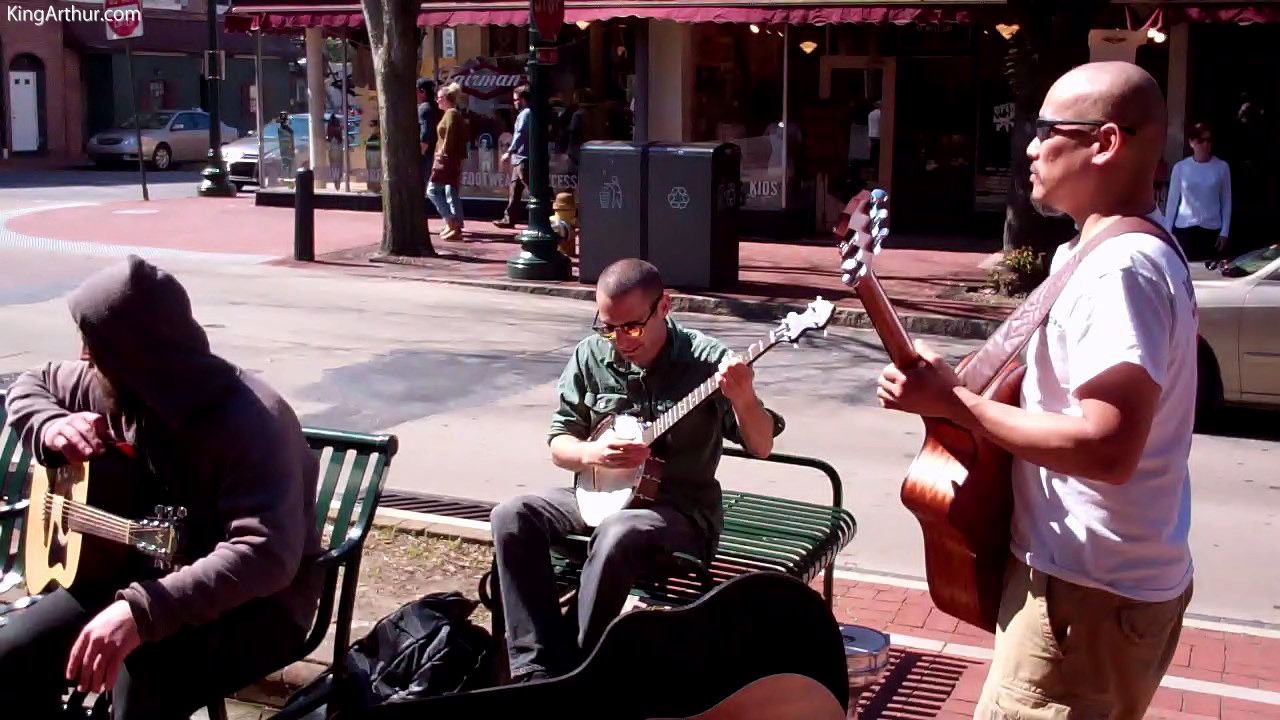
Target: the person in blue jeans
(446, 168)
(518, 154)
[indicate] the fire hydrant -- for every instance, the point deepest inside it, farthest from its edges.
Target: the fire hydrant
(565, 222)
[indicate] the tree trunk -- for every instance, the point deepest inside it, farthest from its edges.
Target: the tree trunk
(393, 40)
(1053, 37)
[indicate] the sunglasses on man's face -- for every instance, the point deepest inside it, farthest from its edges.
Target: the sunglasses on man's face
(631, 329)
(1046, 126)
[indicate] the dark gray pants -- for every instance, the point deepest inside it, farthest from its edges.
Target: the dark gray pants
(171, 678)
(524, 529)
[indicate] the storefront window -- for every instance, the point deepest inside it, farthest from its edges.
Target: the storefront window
(738, 98)
(590, 100)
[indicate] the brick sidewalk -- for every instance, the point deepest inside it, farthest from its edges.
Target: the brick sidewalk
(938, 664)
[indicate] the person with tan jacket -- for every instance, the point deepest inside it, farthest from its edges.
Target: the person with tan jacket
(444, 185)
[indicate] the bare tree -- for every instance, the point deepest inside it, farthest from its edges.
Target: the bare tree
(1052, 38)
(394, 39)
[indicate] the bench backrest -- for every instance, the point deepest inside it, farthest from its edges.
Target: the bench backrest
(353, 470)
(15, 471)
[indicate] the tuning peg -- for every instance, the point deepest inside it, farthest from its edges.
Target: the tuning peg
(180, 513)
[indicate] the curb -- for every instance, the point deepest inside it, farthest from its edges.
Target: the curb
(761, 310)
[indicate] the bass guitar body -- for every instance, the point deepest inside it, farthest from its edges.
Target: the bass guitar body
(959, 488)
(57, 552)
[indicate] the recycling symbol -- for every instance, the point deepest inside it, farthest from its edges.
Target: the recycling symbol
(678, 198)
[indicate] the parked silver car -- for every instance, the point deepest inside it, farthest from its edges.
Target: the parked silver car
(1239, 343)
(241, 156)
(168, 137)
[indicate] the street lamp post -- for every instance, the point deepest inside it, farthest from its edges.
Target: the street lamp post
(215, 183)
(539, 258)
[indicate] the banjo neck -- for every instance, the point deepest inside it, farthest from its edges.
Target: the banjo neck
(708, 387)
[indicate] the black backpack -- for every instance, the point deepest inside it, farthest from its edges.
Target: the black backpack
(425, 648)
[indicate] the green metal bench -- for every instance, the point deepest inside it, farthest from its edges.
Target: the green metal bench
(761, 532)
(15, 471)
(353, 472)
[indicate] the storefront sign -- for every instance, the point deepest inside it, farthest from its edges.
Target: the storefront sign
(487, 81)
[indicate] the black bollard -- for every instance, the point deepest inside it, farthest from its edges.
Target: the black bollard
(304, 216)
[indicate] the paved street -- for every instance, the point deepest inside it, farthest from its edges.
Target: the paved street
(466, 378)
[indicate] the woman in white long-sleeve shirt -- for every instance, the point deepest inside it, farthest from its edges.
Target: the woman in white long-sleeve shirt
(1198, 211)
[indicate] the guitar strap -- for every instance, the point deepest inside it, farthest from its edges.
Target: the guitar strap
(1008, 341)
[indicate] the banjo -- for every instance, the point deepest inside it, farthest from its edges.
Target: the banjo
(600, 492)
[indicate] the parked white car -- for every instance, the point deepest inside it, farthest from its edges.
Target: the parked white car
(168, 137)
(1239, 332)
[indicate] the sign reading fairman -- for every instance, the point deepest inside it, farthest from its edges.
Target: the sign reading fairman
(486, 81)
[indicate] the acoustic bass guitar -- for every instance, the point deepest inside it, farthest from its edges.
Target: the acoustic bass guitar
(959, 487)
(79, 526)
(600, 492)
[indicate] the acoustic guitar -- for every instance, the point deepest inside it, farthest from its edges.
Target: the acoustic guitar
(78, 527)
(600, 492)
(959, 486)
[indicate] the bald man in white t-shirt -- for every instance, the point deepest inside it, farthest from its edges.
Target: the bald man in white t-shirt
(1100, 569)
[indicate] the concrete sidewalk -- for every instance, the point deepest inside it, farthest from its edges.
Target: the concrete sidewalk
(931, 290)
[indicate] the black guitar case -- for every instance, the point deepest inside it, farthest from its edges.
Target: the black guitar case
(672, 663)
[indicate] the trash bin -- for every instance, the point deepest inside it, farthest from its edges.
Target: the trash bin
(694, 197)
(612, 188)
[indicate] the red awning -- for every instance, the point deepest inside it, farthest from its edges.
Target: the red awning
(284, 16)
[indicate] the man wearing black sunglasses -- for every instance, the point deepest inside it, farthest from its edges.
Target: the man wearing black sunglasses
(638, 360)
(1100, 571)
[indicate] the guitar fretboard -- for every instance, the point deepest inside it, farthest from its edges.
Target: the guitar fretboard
(676, 412)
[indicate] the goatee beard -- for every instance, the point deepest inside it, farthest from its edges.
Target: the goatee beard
(1047, 210)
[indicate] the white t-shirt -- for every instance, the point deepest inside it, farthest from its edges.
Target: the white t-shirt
(1130, 300)
(1199, 194)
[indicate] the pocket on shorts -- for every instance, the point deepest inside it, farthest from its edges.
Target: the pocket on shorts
(1048, 596)
(1149, 623)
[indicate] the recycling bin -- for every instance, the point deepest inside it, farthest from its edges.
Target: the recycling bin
(694, 197)
(612, 191)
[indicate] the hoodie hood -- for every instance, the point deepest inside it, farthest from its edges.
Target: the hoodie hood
(137, 323)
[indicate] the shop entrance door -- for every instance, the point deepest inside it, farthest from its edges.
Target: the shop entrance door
(861, 91)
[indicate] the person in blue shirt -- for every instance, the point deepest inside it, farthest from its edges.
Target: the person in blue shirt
(518, 155)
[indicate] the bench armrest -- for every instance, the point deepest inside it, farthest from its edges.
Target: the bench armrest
(837, 487)
(8, 510)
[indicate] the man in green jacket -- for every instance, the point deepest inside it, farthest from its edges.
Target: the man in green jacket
(639, 361)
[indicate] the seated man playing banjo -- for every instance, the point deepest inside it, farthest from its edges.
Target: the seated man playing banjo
(640, 361)
(205, 436)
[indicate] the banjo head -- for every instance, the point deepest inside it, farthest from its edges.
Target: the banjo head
(600, 492)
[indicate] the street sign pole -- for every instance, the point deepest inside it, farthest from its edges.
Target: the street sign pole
(137, 121)
(125, 24)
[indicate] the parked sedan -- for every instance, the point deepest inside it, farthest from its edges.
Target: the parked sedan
(168, 137)
(241, 156)
(1240, 332)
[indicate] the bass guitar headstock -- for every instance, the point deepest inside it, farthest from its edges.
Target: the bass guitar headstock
(863, 234)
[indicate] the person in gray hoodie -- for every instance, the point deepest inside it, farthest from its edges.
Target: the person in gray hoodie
(208, 437)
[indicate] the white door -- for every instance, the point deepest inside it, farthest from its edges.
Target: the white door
(24, 115)
(1259, 341)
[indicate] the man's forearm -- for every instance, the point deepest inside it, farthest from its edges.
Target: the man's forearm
(1062, 443)
(566, 453)
(756, 426)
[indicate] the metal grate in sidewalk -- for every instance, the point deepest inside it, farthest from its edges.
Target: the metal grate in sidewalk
(455, 507)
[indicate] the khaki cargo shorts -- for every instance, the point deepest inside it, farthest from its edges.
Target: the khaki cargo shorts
(1066, 652)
